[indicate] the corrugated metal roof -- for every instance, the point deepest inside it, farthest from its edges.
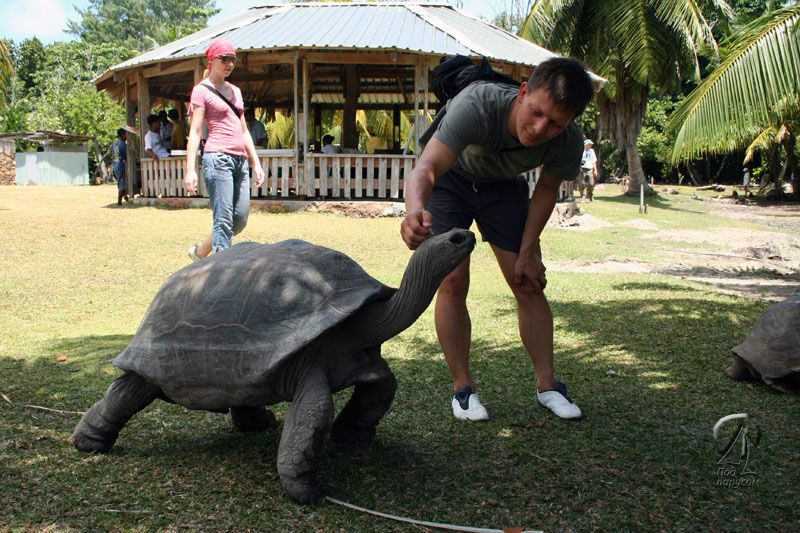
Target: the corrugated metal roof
(423, 27)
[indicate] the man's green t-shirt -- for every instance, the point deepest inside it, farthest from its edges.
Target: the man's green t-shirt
(475, 127)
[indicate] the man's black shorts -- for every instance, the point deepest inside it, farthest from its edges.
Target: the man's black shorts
(500, 208)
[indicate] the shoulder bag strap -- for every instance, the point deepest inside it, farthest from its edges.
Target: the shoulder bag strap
(233, 107)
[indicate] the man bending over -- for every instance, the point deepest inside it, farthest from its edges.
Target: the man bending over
(470, 169)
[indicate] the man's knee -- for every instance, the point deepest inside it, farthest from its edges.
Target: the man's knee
(456, 284)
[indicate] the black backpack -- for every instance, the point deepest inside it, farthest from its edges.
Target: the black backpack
(452, 75)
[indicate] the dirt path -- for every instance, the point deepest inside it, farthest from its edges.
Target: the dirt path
(755, 264)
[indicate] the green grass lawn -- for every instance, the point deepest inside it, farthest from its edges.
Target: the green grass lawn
(78, 274)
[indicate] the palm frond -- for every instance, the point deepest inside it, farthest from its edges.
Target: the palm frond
(757, 85)
(6, 74)
(761, 142)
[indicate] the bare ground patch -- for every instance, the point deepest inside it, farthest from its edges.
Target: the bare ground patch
(751, 263)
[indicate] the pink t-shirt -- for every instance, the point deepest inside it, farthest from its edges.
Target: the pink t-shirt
(224, 127)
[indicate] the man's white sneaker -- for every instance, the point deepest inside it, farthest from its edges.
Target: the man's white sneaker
(467, 405)
(193, 253)
(558, 402)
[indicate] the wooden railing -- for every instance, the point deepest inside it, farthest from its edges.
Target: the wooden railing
(331, 176)
(357, 175)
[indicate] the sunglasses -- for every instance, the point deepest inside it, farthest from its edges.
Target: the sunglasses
(227, 59)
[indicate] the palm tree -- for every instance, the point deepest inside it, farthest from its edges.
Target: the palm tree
(635, 45)
(752, 97)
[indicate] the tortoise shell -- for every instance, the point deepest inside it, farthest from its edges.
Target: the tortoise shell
(219, 328)
(772, 348)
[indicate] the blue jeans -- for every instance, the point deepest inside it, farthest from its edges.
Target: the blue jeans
(227, 180)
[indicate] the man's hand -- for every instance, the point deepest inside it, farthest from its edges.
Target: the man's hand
(191, 180)
(259, 172)
(416, 227)
(529, 273)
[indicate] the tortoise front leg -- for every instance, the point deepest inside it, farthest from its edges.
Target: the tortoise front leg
(305, 428)
(98, 429)
(369, 402)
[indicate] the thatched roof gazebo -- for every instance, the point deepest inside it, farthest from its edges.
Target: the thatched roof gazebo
(310, 56)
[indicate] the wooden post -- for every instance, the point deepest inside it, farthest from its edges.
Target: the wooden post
(417, 122)
(130, 142)
(298, 182)
(317, 131)
(642, 205)
(143, 100)
(352, 88)
(397, 135)
(303, 125)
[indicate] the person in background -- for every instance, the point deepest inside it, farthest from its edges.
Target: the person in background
(219, 105)
(153, 145)
(256, 129)
(588, 170)
(166, 129)
(120, 154)
(327, 145)
(746, 179)
(178, 138)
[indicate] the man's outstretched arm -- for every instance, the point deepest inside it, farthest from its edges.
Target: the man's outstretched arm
(435, 160)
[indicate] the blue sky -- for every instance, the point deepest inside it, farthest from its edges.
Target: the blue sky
(46, 19)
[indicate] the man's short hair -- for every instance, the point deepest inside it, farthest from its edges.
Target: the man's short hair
(249, 112)
(567, 81)
(173, 114)
(327, 139)
(152, 118)
(120, 132)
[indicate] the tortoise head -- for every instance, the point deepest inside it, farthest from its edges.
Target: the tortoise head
(431, 262)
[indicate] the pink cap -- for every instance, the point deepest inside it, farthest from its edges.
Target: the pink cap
(220, 47)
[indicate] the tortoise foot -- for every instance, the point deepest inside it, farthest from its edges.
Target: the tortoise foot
(86, 440)
(253, 418)
(304, 491)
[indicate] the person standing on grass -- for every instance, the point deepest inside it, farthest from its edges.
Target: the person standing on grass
(120, 154)
(588, 175)
(470, 169)
(219, 105)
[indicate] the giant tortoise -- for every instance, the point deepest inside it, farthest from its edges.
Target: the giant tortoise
(260, 324)
(771, 351)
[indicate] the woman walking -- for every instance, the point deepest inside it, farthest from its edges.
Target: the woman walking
(219, 104)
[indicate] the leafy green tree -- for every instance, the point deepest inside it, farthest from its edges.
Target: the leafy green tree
(635, 45)
(62, 96)
(30, 60)
(140, 25)
(753, 95)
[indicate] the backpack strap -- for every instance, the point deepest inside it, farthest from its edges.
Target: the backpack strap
(233, 107)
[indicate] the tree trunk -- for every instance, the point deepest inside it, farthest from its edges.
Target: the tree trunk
(788, 143)
(635, 171)
(693, 175)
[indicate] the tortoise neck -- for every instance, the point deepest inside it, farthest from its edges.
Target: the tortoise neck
(382, 319)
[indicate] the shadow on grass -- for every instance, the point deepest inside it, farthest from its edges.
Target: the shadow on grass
(645, 442)
(759, 282)
(654, 200)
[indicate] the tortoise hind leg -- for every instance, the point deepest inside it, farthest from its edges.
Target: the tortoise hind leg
(367, 405)
(98, 429)
(253, 418)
